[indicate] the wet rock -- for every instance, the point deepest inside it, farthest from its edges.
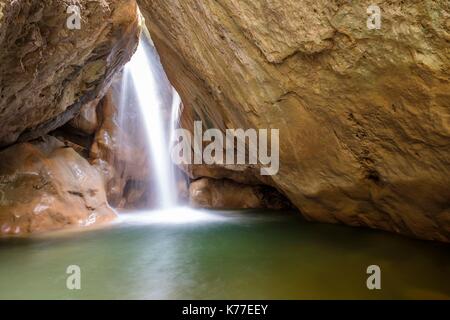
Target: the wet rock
(227, 194)
(46, 186)
(363, 114)
(121, 157)
(47, 71)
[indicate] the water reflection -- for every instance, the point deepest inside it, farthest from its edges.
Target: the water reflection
(223, 255)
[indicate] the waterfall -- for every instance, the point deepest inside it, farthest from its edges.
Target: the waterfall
(158, 102)
(146, 92)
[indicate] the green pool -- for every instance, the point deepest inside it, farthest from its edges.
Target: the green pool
(187, 254)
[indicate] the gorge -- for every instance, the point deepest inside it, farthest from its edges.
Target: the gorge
(216, 149)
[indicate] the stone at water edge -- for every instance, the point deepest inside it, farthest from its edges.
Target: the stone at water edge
(49, 73)
(46, 186)
(363, 114)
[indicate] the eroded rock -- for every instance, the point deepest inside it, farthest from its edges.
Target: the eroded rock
(47, 71)
(363, 114)
(86, 122)
(121, 155)
(46, 186)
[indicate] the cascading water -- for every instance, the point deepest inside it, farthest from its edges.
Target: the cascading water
(145, 80)
(146, 92)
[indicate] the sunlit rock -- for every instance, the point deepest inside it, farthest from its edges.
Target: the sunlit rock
(49, 71)
(363, 113)
(47, 186)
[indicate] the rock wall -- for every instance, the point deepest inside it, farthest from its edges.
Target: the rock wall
(51, 75)
(228, 194)
(114, 142)
(47, 186)
(364, 115)
(120, 154)
(48, 71)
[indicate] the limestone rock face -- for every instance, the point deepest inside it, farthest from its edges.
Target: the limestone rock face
(48, 71)
(227, 194)
(364, 115)
(47, 186)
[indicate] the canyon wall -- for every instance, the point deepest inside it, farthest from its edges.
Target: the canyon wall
(51, 73)
(364, 114)
(48, 71)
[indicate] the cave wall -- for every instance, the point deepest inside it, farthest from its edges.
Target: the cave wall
(45, 186)
(364, 115)
(54, 77)
(48, 71)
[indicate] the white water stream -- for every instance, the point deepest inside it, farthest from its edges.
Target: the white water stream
(145, 78)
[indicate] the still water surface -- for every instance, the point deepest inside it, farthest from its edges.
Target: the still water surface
(189, 254)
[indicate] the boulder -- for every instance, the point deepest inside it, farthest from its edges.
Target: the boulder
(48, 71)
(46, 186)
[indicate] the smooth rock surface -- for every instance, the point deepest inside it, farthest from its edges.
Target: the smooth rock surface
(46, 186)
(364, 115)
(86, 122)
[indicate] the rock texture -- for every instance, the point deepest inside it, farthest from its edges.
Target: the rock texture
(227, 194)
(50, 74)
(120, 154)
(364, 115)
(46, 186)
(113, 139)
(47, 71)
(86, 122)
